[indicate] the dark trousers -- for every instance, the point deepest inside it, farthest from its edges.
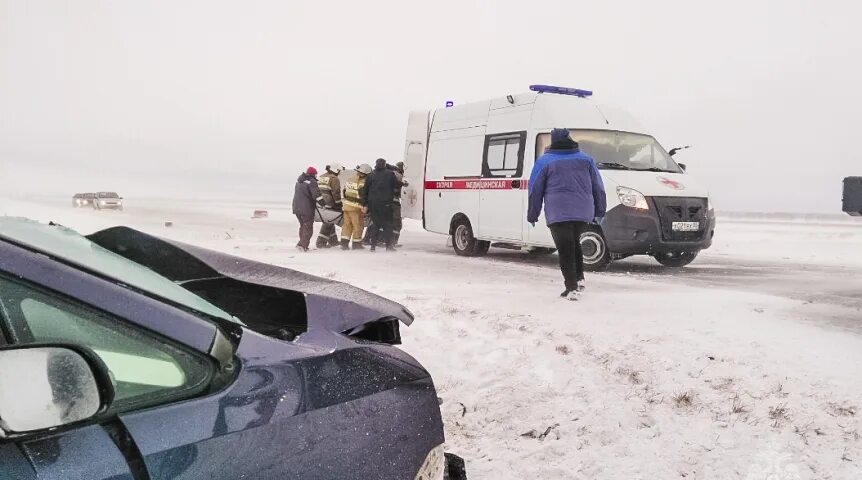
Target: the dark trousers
(306, 230)
(397, 222)
(567, 238)
(369, 226)
(381, 218)
(327, 236)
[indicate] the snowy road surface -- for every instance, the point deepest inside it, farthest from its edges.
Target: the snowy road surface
(744, 365)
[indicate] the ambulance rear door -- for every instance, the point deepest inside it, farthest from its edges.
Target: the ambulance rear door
(415, 153)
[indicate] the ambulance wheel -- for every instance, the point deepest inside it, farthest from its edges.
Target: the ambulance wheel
(464, 242)
(597, 257)
(675, 259)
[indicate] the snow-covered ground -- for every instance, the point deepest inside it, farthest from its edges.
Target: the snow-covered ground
(744, 365)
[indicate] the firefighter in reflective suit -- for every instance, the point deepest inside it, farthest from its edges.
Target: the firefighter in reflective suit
(354, 223)
(330, 188)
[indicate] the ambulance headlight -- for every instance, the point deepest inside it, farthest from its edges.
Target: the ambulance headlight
(434, 466)
(632, 198)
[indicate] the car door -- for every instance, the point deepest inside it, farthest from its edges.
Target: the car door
(503, 188)
(147, 371)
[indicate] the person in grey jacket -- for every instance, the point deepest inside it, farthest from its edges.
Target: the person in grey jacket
(306, 198)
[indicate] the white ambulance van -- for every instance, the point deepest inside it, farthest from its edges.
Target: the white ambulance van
(468, 167)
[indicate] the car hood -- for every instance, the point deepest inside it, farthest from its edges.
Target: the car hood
(330, 305)
(657, 184)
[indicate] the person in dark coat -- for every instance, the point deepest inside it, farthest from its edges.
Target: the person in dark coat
(376, 199)
(397, 220)
(306, 197)
(567, 181)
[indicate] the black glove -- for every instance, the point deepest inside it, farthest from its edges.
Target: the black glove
(337, 207)
(321, 203)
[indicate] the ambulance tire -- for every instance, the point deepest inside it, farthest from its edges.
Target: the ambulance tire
(463, 241)
(597, 257)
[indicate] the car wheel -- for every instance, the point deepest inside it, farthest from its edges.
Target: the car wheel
(675, 259)
(463, 241)
(597, 257)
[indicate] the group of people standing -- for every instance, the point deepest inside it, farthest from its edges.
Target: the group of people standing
(371, 196)
(564, 180)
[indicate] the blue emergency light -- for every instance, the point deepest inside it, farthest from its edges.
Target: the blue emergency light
(577, 92)
(450, 104)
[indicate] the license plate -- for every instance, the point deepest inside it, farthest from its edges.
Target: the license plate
(685, 226)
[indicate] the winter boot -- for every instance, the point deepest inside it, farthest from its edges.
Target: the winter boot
(395, 237)
(357, 245)
(321, 242)
(333, 241)
(390, 248)
(345, 244)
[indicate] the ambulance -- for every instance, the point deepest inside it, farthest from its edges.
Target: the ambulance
(468, 168)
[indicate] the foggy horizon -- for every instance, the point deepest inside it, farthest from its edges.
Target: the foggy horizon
(229, 99)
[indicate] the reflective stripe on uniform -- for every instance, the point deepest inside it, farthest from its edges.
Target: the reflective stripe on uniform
(351, 192)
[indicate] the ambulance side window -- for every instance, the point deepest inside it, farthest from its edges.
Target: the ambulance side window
(504, 155)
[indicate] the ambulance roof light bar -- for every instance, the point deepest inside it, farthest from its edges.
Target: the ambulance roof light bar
(577, 92)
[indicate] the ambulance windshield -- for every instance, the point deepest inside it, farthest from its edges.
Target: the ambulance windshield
(618, 150)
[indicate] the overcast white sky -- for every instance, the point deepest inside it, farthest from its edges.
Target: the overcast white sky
(238, 97)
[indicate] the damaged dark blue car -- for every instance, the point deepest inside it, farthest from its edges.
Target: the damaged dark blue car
(126, 357)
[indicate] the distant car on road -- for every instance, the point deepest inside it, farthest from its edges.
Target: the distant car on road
(125, 356)
(108, 201)
(83, 200)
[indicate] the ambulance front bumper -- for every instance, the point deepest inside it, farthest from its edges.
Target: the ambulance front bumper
(629, 231)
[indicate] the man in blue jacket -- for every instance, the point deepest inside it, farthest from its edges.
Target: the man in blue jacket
(569, 184)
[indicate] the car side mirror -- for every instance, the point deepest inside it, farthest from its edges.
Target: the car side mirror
(683, 166)
(48, 386)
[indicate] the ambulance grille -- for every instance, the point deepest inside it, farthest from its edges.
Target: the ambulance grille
(681, 209)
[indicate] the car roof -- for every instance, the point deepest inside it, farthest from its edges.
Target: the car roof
(70, 247)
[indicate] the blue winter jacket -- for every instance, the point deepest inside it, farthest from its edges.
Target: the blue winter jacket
(569, 184)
